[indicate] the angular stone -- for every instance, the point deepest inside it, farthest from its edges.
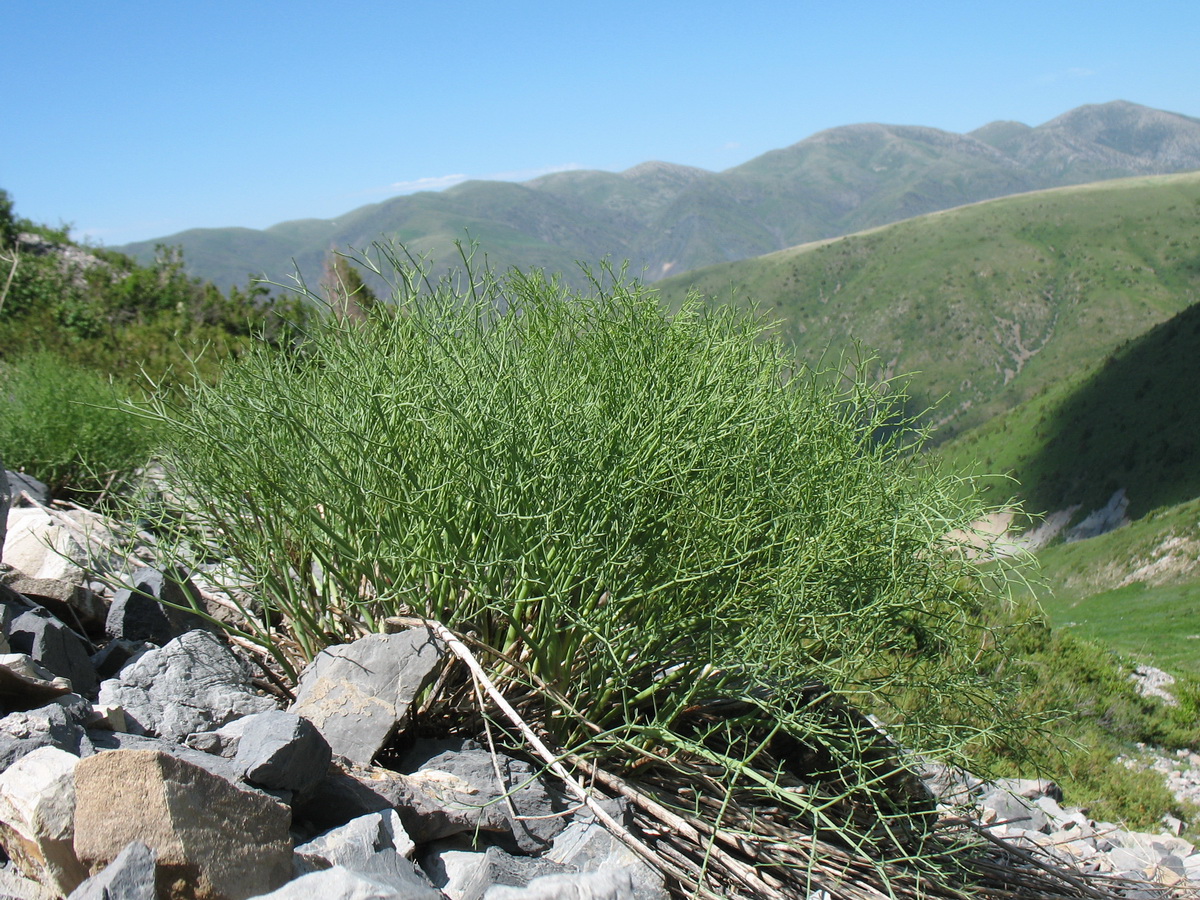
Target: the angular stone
(194, 683)
(358, 695)
(15, 886)
(1013, 811)
(128, 877)
(156, 608)
(464, 784)
(53, 645)
(616, 885)
(213, 840)
(282, 751)
(39, 546)
(26, 685)
(375, 845)
(16, 483)
(59, 725)
(72, 602)
(589, 847)
(109, 661)
(339, 883)
(464, 874)
(37, 814)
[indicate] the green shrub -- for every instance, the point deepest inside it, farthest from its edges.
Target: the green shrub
(633, 515)
(66, 425)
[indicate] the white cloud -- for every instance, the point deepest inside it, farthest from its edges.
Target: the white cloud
(429, 183)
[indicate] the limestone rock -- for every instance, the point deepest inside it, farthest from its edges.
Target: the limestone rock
(37, 813)
(39, 546)
(53, 645)
(359, 694)
(616, 885)
(586, 846)
(156, 608)
(339, 883)
(194, 683)
(282, 751)
(26, 685)
(17, 483)
(375, 846)
(466, 874)
(128, 877)
(73, 602)
(59, 724)
(214, 841)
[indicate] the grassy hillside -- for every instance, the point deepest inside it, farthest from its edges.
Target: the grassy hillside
(988, 304)
(666, 219)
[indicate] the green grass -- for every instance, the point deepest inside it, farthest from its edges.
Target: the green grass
(987, 304)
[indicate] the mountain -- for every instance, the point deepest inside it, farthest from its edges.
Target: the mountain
(666, 219)
(990, 304)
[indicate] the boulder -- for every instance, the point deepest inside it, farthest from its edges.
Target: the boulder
(194, 683)
(37, 816)
(340, 883)
(586, 846)
(39, 546)
(375, 846)
(60, 724)
(17, 483)
(116, 655)
(26, 685)
(358, 695)
(616, 885)
(156, 608)
(282, 751)
(466, 874)
(128, 877)
(213, 840)
(54, 646)
(73, 602)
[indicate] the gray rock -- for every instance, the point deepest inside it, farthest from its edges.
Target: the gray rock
(71, 601)
(41, 547)
(1004, 807)
(358, 695)
(220, 840)
(60, 725)
(26, 685)
(128, 877)
(5, 504)
(616, 885)
(375, 845)
(215, 765)
(15, 886)
(15, 483)
(114, 657)
(194, 683)
(466, 874)
(345, 793)
(282, 751)
(156, 608)
(588, 847)
(339, 883)
(470, 795)
(54, 646)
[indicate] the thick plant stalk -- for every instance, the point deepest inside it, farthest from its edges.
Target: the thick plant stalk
(552, 762)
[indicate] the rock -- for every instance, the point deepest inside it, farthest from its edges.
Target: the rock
(214, 841)
(39, 546)
(359, 694)
(589, 847)
(339, 883)
(587, 886)
(128, 877)
(15, 886)
(26, 685)
(1011, 812)
(53, 645)
(282, 751)
(194, 683)
(345, 793)
(215, 765)
(17, 483)
(37, 815)
(73, 602)
(463, 789)
(114, 657)
(59, 725)
(1151, 682)
(156, 608)
(5, 505)
(374, 845)
(465, 874)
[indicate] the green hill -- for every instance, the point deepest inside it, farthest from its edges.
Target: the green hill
(988, 304)
(666, 219)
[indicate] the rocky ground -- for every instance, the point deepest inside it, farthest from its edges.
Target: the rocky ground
(141, 755)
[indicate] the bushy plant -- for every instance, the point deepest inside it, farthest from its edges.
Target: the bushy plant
(649, 522)
(69, 426)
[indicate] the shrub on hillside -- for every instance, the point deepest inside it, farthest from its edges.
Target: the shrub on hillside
(656, 529)
(68, 426)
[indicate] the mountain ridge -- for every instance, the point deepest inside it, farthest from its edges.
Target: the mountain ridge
(666, 218)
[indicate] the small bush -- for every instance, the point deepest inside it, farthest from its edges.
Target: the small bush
(68, 426)
(636, 517)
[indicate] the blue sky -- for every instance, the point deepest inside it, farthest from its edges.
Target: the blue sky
(132, 120)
